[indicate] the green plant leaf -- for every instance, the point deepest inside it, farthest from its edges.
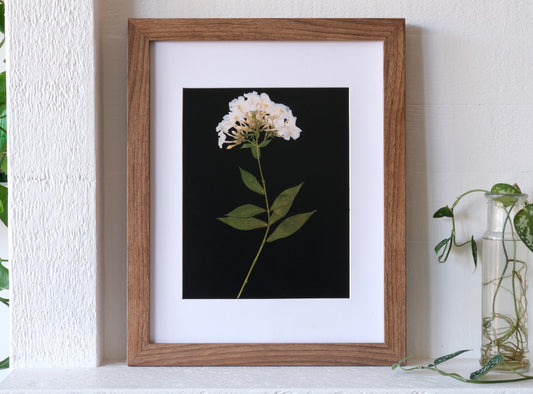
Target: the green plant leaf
(256, 153)
(4, 277)
(523, 223)
(2, 18)
(246, 146)
(4, 301)
(282, 204)
(447, 357)
(399, 363)
(3, 198)
(243, 223)
(441, 244)
(474, 251)
(491, 364)
(447, 244)
(289, 226)
(251, 182)
(507, 201)
(246, 211)
(3, 97)
(443, 212)
(264, 143)
(4, 363)
(505, 188)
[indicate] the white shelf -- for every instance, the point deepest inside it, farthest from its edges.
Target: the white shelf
(118, 378)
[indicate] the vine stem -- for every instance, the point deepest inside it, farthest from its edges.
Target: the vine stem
(466, 193)
(256, 147)
(453, 217)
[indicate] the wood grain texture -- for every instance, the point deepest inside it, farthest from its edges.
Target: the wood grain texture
(140, 33)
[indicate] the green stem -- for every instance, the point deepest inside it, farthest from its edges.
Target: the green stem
(453, 241)
(256, 146)
(514, 326)
(466, 193)
(507, 261)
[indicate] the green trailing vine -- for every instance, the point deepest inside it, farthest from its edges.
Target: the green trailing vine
(523, 222)
(476, 377)
(511, 342)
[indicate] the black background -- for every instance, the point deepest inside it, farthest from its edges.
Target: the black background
(311, 263)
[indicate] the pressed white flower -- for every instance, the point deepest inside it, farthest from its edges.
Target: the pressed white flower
(289, 129)
(255, 118)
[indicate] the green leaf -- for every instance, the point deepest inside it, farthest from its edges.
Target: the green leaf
(246, 146)
(441, 244)
(507, 200)
(399, 363)
(251, 182)
(491, 364)
(256, 153)
(4, 363)
(282, 204)
(474, 251)
(289, 226)
(246, 211)
(4, 301)
(443, 212)
(447, 357)
(523, 223)
(3, 198)
(4, 277)
(3, 97)
(264, 143)
(2, 18)
(504, 188)
(243, 223)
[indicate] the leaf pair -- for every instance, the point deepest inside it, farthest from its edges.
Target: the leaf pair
(242, 218)
(444, 247)
(256, 149)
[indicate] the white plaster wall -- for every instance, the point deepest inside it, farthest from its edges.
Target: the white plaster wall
(469, 124)
(4, 254)
(52, 183)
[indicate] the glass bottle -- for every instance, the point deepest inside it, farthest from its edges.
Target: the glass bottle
(504, 267)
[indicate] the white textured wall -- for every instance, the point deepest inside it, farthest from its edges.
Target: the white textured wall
(469, 124)
(52, 184)
(4, 254)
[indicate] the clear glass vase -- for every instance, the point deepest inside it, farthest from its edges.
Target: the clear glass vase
(504, 266)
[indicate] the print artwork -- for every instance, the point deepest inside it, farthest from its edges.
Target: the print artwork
(265, 193)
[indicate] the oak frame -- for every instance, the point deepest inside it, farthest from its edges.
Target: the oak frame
(141, 32)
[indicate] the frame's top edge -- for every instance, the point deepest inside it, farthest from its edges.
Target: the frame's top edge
(265, 19)
(280, 29)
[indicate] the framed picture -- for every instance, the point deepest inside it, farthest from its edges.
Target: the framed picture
(266, 191)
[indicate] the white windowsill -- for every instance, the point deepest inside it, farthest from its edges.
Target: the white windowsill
(118, 378)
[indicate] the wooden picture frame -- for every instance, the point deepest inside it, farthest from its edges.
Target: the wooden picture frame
(141, 33)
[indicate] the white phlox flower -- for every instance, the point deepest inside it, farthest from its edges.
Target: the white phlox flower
(255, 118)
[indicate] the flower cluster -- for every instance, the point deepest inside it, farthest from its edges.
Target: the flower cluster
(254, 118)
